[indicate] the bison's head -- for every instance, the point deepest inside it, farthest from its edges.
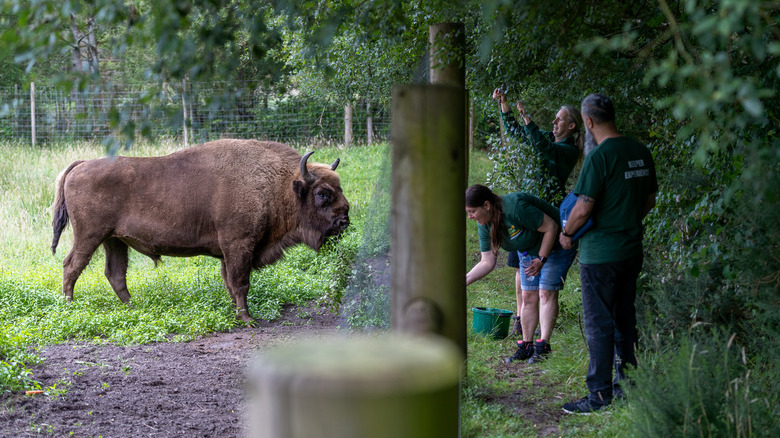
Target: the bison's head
(324, 209)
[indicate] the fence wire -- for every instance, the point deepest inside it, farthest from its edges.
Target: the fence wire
(210, 111)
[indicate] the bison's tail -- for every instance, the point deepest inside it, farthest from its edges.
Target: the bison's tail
(59, 210)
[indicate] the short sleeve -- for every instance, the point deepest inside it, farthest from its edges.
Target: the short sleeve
(591, 182)
(484, 238)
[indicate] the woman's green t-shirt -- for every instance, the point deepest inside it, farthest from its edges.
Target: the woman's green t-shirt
(523, 214)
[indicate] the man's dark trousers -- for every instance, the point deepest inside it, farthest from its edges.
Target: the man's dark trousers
(608, 295)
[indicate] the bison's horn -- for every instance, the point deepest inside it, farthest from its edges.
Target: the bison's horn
(335, 164)
(307, 177)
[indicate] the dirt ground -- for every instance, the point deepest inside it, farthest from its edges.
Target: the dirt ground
(188, 389)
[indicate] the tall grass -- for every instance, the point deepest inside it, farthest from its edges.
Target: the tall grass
(180, 299)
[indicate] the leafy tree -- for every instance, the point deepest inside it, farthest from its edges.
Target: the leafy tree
(197, 40)
(338, 56)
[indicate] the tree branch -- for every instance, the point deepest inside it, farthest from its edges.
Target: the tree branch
(675, 29)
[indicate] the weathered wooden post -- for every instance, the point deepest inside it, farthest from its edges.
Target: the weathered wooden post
(447, 43)
(383, 387)
(184, 112)
(447, 46)
(428, 218)
(429, 179)
(32, 112)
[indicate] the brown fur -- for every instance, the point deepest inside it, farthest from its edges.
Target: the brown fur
(242, 201)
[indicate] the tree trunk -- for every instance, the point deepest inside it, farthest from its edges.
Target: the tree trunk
(92, 47)
(77, 57)
(348, 113)
(472, 123)
(86, 41)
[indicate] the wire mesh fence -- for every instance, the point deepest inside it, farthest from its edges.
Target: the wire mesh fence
(208, 111)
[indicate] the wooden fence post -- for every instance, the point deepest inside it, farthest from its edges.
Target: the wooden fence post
(348, 113)
(447, 43)
(379, 387)
(32, 111)
(184, 112)
(447, 49)
(369, 123)
(428, 218)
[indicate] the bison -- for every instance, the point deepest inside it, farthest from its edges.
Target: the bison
(241, 201)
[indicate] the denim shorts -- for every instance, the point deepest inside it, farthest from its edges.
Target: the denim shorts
(553, 272)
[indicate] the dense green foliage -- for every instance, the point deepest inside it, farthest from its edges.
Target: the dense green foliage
(697, 81)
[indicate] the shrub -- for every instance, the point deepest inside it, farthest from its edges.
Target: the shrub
(706, 388)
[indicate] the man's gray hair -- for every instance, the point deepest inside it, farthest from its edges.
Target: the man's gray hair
(599, 108)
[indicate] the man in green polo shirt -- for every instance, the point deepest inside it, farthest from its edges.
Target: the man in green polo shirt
(616, 187)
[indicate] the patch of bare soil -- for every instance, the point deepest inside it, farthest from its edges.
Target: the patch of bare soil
(190, 389)
(544, 413)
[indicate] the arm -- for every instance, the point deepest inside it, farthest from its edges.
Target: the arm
(486, 265)
(561, 153)
(510, 124)
(550, 230)
(579, 215)
(513, 128)
(523, 113)
(500, 96)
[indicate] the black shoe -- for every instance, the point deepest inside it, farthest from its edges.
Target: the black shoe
(517, 329)
(541, 350)
(585, 405)
(524, 351)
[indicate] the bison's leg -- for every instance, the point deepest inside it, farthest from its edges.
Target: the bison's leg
(238, 267)
(227, 282)
(72, 266)
(84, 245)
(116, 267)
(75, 262)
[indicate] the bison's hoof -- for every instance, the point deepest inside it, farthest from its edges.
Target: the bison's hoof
(246, 318)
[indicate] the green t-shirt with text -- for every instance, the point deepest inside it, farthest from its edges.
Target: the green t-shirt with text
(523, 214)
(619, 174)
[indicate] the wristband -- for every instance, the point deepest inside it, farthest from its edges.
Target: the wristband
(563, 231)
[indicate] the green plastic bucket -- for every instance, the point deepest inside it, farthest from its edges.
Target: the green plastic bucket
(491, 322)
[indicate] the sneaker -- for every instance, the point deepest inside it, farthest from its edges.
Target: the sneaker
(517, 329)
(524, 351)
(541, 350)
(585, 405)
